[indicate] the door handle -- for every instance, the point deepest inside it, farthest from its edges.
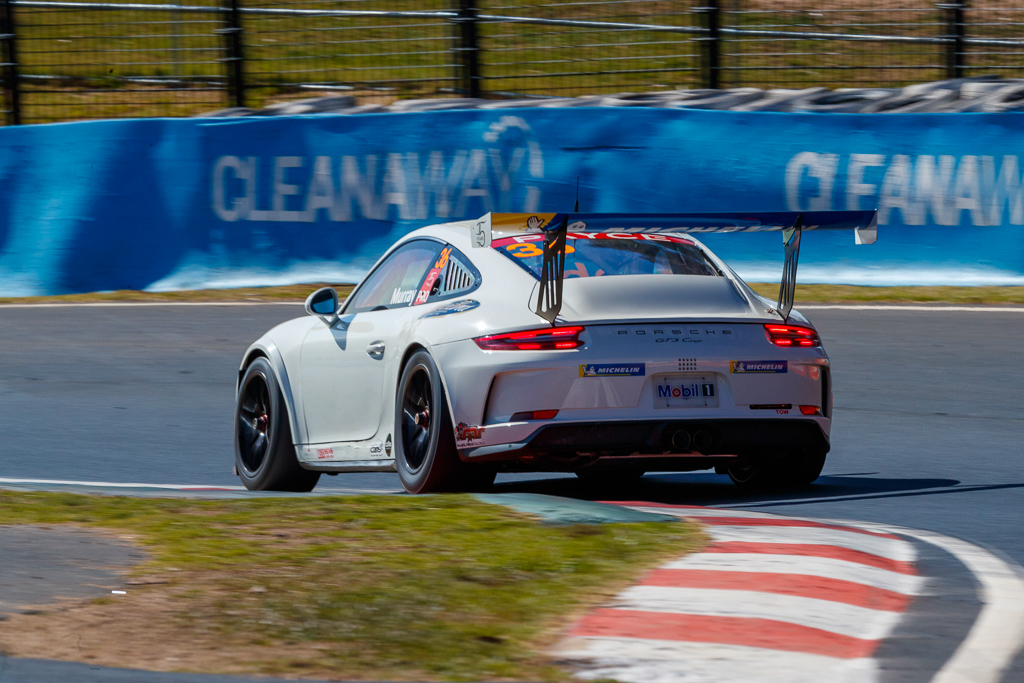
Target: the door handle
(376, 350)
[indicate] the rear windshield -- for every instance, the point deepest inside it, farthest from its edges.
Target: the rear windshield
(601, 254)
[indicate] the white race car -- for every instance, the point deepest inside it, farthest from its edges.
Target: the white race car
(608, 345)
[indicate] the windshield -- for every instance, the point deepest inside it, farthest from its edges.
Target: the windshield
(601, 254)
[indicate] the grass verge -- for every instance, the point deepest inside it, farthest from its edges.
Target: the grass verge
(804, 294)
(897, 295)
(361, 587)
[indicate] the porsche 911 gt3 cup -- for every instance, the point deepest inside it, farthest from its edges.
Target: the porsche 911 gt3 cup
(608, 345)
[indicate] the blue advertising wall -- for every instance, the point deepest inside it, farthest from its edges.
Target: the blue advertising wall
(185, 203)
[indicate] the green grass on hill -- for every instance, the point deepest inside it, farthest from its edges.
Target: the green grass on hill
(77, 63)
(393, 588)
(937, 295)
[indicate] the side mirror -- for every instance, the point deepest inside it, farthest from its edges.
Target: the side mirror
(323, 303)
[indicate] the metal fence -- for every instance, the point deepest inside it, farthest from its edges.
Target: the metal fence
(66, 60)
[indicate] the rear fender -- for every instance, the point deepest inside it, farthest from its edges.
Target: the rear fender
(411, 347)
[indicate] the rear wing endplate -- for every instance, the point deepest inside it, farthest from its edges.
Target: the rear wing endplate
(555, 226)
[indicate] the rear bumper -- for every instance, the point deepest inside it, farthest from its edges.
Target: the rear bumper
(679, 438)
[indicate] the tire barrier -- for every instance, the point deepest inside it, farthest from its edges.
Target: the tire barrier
(258, 200)
(988, 94)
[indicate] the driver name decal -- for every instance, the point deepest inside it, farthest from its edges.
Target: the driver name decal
(402, 297)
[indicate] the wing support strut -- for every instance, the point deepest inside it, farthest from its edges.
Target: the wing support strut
(787, 289)
(549, 295)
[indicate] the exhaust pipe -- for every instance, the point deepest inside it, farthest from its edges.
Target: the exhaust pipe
(681, 441)
(702, 441)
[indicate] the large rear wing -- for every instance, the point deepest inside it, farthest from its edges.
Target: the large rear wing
(555, 226)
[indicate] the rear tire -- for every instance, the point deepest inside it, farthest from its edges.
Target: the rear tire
(803, 469)
(751, 476)
(264, 453)
(794, 471)
(425, 452)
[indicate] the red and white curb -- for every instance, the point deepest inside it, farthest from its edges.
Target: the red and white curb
(770, 599)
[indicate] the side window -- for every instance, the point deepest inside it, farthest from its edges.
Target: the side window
(396, 281)
(455, 275)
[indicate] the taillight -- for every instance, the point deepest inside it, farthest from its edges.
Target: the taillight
(547, 339)
(534, 415)
(791, 335)
(810, 410)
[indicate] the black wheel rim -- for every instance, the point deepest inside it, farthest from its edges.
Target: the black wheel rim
(417, 419)
(254, 423)
(742, 473)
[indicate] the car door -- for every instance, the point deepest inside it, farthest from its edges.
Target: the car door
(343, 367)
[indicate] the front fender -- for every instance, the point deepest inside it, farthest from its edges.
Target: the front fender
(269, 350)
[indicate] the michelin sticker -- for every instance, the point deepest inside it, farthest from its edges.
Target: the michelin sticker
(607, 370)
(460, 306)
(758, 366)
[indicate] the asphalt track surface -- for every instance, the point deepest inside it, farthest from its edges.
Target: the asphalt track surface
(927, 425)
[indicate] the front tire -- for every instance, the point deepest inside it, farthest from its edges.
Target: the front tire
(264, 453)
(425, 453)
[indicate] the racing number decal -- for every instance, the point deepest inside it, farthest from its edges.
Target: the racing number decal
(528, 249)
(435, 272)
(443, 261)
(524, 250)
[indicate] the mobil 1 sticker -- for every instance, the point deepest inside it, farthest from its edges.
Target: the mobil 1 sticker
(692, 391)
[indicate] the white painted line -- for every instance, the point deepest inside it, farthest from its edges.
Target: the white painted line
(174, 487)
(634, 660)
(826, 615)
(297, 302)
(145, 304)
(983, 657)
(910, 307)
(384, 492)
(998, 632)
(889, 548)
(120, 485)
(825, 567)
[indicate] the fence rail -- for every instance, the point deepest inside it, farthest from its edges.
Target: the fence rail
(72, 60)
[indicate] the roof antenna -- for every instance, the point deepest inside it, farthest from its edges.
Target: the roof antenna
(577, 209)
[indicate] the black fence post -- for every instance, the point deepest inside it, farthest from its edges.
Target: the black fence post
(234, 61)
(955, 33)
(12, 92)
(710, 54)
(469, 51)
